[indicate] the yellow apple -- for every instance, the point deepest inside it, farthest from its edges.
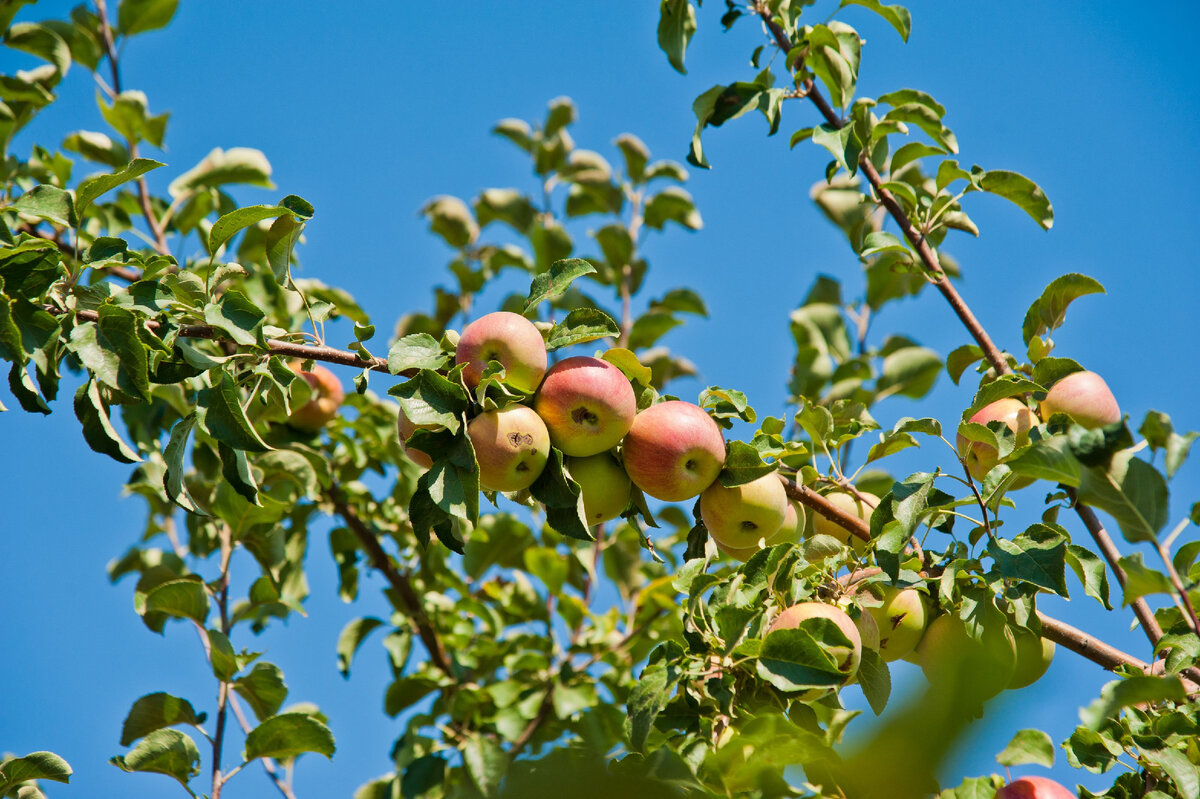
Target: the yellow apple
(746, 515)
(512, 447)
(604, 485)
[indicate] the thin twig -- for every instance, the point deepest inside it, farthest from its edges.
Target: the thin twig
(268, 763)
(1173, 573)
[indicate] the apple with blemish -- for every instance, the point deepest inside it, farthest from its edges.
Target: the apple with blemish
(1084, 397)
(587, 404)
(508, 338)
(981, 457)
(604, 485)
(744, 516)
(789, 533)
(512, 447)
(862, 504)
(325, 400)
(1034, 788)
(673, 451)
(901, 616)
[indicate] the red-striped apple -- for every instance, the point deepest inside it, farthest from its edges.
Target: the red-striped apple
(508, 338)
(1034, 788)
(587, 404)
(673, 451)
(511, 445)
(327, 397)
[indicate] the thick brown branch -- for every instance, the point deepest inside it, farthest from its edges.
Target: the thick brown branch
(399, 582)
(1099, 652)
(806, 496)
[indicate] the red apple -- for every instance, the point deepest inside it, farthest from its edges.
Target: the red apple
(673, 451)
(1034, 788)
(587, 404)
(744, 516)
(847, 657)
(511, 445)
(604, 485)
(1083, 396)
(982, 457)
(508, 338)
(406, 428)
(327, 396)
(1034, 654)
(861, 505)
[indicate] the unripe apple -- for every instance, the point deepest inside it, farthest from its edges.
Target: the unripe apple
(604, 485)
(743, 516)
(1034, 654)
(406, 428)
(982, 457)
(947, 649)
(673, 451)
(901, 615)
(1034, 788)
(846, 657)
(789, 532)
(860, 505)
(508, 338)
(511, 445)
(868, 630)
(1083, 396)
(322, 406)
(587, 404)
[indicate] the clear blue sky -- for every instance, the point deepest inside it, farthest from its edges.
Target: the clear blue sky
(367, 109)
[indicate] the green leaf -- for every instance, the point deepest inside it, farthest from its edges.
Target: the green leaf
(743, 464)
(1049, 459)
(139, 16)
(235, 468)
(430, 399)
(130, 115)
(562, 499)
(1028, 747)
(580, 326)
(1131, 491)
(1130, 691)
(875, 679)
(223, 418)
(224, 660)
(289, 734)
(154, 712)
(174, 455)
(792, 660)
(1000, 388)
(672, 204)
(1022, 191)
(183, 598)
(450, 218)
(41, 41)
(50, 203)
(1178, 767)
(1048, 371)
(650, 327)
(1091, 571)
(682, 301)
(635, 152)
(404, 692)
(897, 16)
(119, 331)
(220, 167)
(236, 316)
(98, 430)
(1037, 556)
(169, 752)
(552, 284)
(1140, 580)
(927, 119)
(93, 187)
(416, 351)
(486, 763)
(881, 241)
(909, 372)
(842, 143)
(98, 147)
(351, 638)
(33, 766)
(676, 24)
(650, 694)
(230, 224)
(263, 689)
(1049, 310)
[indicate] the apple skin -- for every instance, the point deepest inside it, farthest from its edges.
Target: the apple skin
(1034, 654)
(508, 338)
(327, 397)
(946, 643)
(789, 533)
(604, 485)
(587, 404)
(406, 428)
(901, 616)
(1083, 396)
(742, 516)
(1034, 788)
(673, 451)
(855, 506)
(512, 447)
(847, 658)
(981, 457)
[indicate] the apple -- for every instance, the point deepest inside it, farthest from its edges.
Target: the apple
(847, 658)
(406, 428)
(745, 515)
(327, 396)
(868, 630)
(1083, 396)
(604, 485)
(1034, 788)
(789, 532)
(673, 451)
(860, 505)
(982, 457)
(947, 649)
(506, 337)
(1034, 654)
(901, 616)
(587, 404)
(512, 447)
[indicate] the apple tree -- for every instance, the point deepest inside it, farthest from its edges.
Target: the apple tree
(590, 577)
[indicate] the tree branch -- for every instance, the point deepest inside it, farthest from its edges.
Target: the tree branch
(268, 763)
(1101, 653)
(400, 582)
(805, 495)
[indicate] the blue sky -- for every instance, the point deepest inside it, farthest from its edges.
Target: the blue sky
(367, 109)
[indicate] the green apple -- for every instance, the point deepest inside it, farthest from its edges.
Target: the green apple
(1034, 788)
(746, 515)
(604, 485)
(846, 657)
(673, 451)
(948, 654)
(789, 532)
(982, 457)
(860, 505)
(1034, 654)
(326, 398)
(901, 616)
(512, 447)
(587, 404)
(1083, 396)
(508, 338)
(406, 428)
